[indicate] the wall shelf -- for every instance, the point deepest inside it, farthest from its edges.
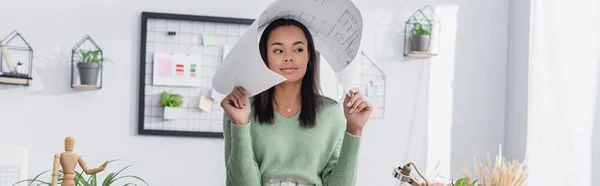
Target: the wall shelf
(16, 60)
(420, 54)
(86, 86)
(87, 65)
(421, 34)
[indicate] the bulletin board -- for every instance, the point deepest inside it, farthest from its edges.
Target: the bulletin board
(194, 41)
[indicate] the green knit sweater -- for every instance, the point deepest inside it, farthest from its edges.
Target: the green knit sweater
(325, 155)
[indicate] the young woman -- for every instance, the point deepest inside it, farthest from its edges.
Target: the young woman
(290, 133)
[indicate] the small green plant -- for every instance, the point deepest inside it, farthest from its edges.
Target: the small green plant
(91, 56)
(80, 180)
(170, 100)
(464, 182)
(420, 30)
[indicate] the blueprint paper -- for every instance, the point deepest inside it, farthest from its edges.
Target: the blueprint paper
(336, 27)
(216, 96)
(244, 67)
(348, 77)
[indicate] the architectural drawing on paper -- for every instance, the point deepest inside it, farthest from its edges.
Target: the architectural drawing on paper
(343, 37)
(321, 1)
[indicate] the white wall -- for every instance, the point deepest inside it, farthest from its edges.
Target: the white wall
(596, 127)
(518, 66)
(41, 120)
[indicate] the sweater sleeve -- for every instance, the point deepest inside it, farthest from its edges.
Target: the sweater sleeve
(341, 168)
(240, 163)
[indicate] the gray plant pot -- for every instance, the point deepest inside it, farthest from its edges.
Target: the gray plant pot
(420, 43)
(88, 73)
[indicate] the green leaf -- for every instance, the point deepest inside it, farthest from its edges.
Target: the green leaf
(31, 181)
(120, 172)
(170, 100)
(473, 184)
(80, 180)
(110, 161)
(34, 179)
(93, 183)
(419, 29)
(462, 182)
(108, 180)
(91, 56)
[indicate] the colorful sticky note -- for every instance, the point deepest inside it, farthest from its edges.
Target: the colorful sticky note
(179, 69)
(208, 39)
(193, 70)
(205, 104)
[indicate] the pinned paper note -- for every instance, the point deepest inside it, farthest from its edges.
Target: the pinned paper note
(335, 25)
(176, 69)
(208, 39)
(205, 104)
(375, 113)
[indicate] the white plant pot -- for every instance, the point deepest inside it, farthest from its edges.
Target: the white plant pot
(20, 69)
(171, 113)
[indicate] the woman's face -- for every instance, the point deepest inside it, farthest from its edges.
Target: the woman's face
(287, 52)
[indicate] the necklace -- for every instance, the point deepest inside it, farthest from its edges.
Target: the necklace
(289, 107)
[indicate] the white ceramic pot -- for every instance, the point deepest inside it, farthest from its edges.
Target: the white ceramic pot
(171, 113)
(20, 69)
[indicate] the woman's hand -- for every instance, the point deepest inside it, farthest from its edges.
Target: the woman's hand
(357, 111)
(237, 106)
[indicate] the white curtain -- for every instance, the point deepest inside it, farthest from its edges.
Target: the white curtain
(563, 78)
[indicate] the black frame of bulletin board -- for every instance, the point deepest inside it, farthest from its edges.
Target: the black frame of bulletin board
(142, 68)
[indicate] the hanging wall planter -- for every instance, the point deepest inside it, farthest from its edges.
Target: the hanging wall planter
(421, 38)
(16, 60)
(420, 30)
(171, 104)
(87, 64)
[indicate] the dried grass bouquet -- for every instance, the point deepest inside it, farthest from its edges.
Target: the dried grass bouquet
(503, 172)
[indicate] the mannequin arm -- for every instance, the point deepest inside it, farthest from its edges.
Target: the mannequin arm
(55, 169)
(89, 171)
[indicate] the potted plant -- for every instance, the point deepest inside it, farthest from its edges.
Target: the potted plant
(464, 181)
(20, 69)
(80, 180)
(89, 66)
(171, 104)
(420, 38)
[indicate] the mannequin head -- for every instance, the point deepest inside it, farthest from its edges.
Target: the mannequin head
(69, 144)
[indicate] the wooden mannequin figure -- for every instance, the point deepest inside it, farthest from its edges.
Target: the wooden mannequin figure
(68, 161)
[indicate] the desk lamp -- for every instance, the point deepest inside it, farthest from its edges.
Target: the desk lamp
(403, 174)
